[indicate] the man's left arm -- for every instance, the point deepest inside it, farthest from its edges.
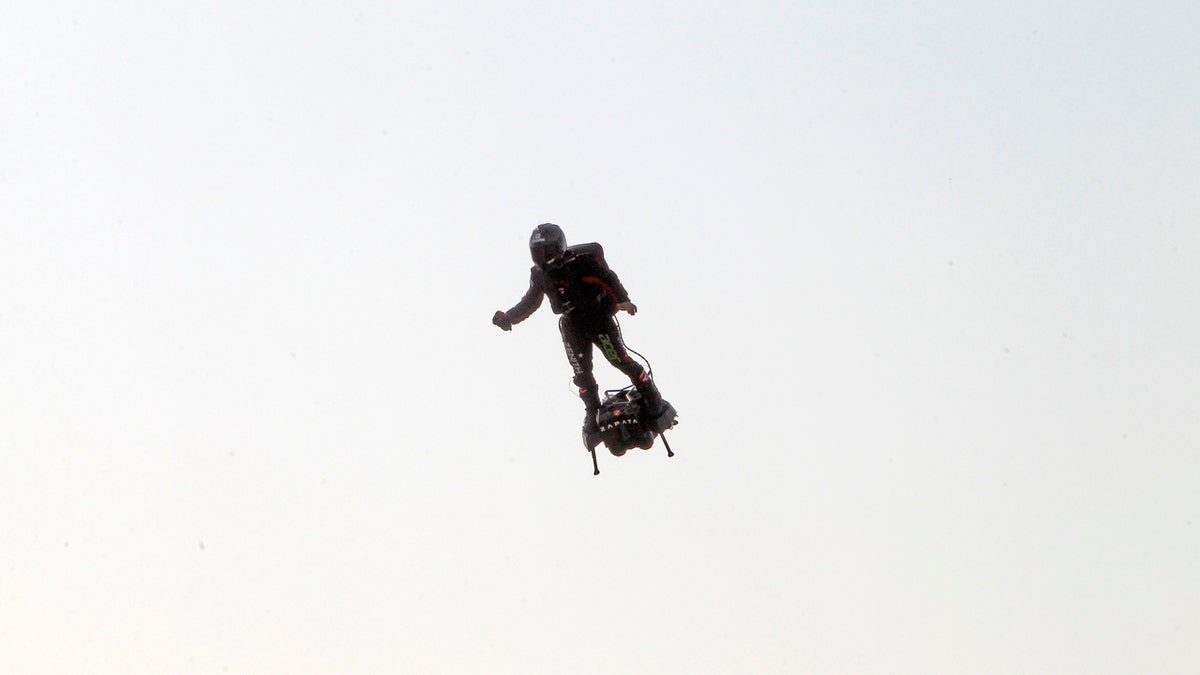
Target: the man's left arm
(609, 281)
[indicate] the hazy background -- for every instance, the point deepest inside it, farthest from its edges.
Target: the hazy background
(921, 280)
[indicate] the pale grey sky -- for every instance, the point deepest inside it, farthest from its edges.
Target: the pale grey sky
(921, 280)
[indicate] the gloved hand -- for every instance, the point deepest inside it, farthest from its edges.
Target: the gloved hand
(501, 319)
(628, 307)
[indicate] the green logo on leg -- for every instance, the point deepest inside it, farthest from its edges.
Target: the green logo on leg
(610, 350)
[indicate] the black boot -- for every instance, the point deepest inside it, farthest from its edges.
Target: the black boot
(651, 400)
(591, 429)
(591, 411)
(590, 425)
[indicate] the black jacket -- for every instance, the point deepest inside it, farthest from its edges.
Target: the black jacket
(578, 283)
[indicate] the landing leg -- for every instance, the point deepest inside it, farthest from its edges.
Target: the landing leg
(667, 445)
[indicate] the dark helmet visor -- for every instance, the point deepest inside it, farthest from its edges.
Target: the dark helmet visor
(547, 244)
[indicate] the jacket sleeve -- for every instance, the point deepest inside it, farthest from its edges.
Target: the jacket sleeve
(531, 300)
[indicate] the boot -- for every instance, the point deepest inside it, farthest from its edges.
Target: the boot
(590, 425)
(591, 429)
(651, 399)
(591, 411)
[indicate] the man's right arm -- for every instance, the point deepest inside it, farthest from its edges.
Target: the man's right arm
(526, 306)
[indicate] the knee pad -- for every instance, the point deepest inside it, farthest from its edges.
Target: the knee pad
(585, 381)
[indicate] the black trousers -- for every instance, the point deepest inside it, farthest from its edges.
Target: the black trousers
(579, 334)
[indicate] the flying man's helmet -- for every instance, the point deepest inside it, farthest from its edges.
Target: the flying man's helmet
(547, 244)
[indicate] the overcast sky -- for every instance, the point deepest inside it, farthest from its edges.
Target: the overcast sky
(921, 278)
